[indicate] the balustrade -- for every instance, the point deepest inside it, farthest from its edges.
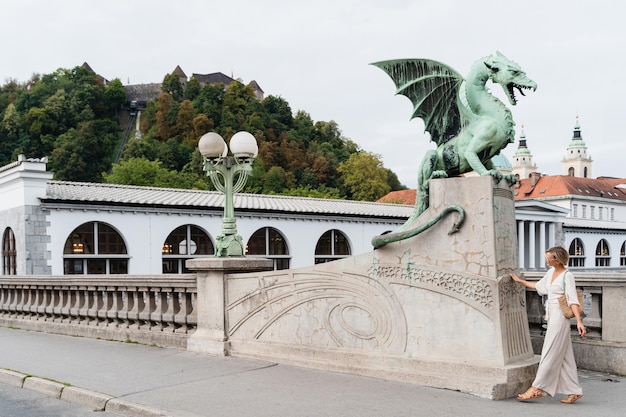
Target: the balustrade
(133, 304)
(162, 310)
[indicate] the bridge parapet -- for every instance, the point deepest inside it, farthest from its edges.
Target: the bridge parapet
(162, 310)
(156, 309)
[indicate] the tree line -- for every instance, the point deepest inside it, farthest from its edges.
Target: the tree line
(73, 117)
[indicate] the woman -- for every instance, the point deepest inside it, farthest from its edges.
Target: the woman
(557, 368)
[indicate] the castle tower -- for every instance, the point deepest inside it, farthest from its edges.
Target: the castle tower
(523, 164)
(576, 162)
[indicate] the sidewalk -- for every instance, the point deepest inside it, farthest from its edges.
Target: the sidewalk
(137, 380)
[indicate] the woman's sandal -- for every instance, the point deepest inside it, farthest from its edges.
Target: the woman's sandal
(572, 398)
(530, 394)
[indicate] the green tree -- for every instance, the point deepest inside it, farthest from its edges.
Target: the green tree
(84, 152)
(11, 121)
(192, 91)
(184, 122)
(364, 176)
(201, 125)
(274, 182)
(115, 94)
(142, 172)
(172, 86)
(166, 115)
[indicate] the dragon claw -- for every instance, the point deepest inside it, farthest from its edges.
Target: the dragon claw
(439, 174)
(510, 179)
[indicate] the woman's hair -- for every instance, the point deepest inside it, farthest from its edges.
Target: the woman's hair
(560, 254)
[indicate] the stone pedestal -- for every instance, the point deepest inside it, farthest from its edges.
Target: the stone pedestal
(211, 335)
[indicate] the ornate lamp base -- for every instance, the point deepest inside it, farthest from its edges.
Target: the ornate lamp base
(229, 245)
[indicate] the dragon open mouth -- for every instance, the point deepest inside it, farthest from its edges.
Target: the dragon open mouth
(511, 91)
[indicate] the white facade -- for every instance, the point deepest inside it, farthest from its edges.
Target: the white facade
(594, 216)
(41, 217)
(601, 232)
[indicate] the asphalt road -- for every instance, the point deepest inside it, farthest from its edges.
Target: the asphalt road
(18, 402)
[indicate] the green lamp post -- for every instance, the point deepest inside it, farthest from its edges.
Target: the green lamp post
(228, 174)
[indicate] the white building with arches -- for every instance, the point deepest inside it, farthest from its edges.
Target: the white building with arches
(594, 226)
(57, 227)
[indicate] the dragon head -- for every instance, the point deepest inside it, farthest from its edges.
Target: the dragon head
(509, 75)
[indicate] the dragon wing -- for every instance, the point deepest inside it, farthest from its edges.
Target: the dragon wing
(433, 88)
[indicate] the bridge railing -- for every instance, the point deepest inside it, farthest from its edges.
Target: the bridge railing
(163, 310)
(156, 309)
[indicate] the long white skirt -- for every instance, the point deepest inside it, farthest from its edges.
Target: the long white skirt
(557, 371)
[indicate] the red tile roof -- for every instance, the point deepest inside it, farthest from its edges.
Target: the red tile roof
(542, 187)
(399, 197)
(539, 187)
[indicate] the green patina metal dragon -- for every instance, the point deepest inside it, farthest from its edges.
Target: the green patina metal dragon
(469, 125)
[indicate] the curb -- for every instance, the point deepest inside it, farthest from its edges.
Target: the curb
(92, 399)
(12, 378)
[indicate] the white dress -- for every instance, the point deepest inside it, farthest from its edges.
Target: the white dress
(557, 371)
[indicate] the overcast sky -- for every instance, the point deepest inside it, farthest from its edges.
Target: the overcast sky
(316, 56)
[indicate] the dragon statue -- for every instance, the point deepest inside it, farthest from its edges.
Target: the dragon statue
(469, 125)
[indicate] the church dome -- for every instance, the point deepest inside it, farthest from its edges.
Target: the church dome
(501, 162)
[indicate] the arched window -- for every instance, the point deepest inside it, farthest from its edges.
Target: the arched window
(570, 172)
(185, 242)
(95, 248)
(622, 254)
(269, 243)
(9, 253)
(585, 172)
(603, 255)
(331, 245)
(576, 253)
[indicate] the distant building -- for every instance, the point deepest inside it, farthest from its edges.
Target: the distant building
(149, 91)
(576, 163)
(145, 92)
(523, 165)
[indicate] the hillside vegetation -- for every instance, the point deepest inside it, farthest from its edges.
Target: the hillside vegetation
(75, 120)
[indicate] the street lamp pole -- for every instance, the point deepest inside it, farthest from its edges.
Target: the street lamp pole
(229, 174)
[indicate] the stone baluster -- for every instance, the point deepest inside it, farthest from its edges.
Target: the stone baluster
(105, 305)
(44, 300)
(12, 300)
(185, 318)
(77, 303)
(110, 306)
(173, 306)
(124, 308)
(36, 295)
(51, 299)
(134, 305)
(85, 306)
(148, 307)
(95, 304)
(27, 302)
(3, 299)
(156, 315)
(57, 309)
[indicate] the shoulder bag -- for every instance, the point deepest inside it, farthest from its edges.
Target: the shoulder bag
(567, 309)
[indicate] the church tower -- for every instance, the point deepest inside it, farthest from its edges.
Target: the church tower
(576, 162)
(523, 164)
